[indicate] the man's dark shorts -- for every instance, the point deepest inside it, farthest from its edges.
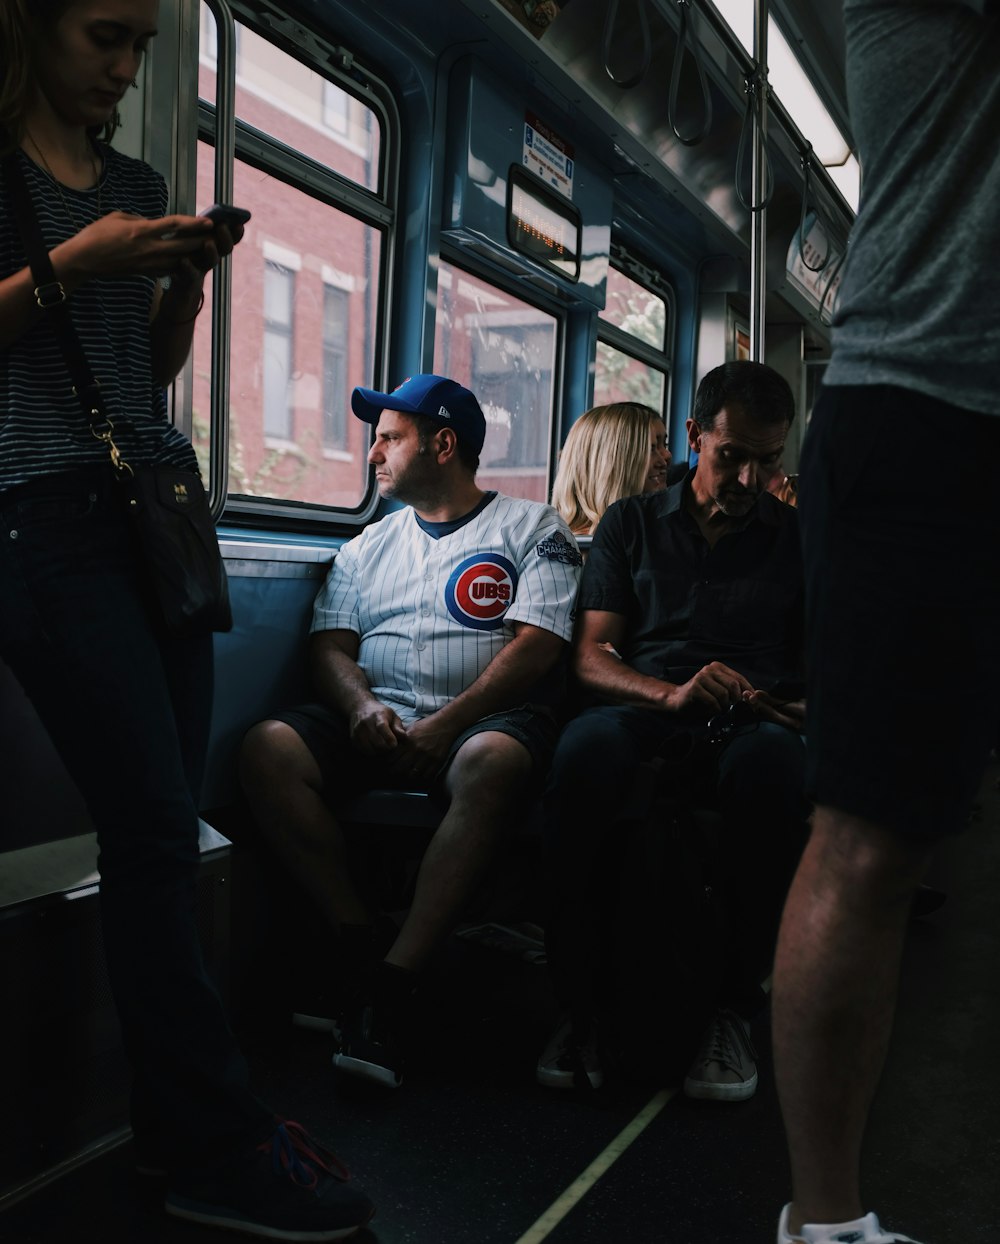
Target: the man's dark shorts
(901, 528)
(347, 772)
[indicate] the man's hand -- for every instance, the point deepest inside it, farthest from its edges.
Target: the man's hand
(375, 729)
(791, 713)
(424, 749)
(712, 688)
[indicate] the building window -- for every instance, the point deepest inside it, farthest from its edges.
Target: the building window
(336, 105)
(279, 297)
(336, 321)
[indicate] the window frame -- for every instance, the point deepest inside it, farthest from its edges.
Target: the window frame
(654, 282)
(231, 139)
(462, 261)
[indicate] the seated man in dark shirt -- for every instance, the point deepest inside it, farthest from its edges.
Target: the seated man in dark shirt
(690, 611)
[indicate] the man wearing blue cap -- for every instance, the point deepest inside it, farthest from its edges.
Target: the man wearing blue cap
(436, 653)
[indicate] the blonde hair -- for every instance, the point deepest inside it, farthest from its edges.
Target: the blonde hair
(22, 24)
(605, 458)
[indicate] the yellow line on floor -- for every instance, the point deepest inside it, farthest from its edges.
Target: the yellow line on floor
(580, 1186)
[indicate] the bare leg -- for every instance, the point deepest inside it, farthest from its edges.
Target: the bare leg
(835, 983)
(285, 788)
(486, 782)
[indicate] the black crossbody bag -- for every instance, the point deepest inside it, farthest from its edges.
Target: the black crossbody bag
(168, 505)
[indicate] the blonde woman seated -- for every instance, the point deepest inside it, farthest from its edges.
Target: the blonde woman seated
(611, 452)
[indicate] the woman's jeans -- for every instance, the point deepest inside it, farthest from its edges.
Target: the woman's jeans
(127, 707)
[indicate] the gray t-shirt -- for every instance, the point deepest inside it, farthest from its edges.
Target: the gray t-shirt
(920, 304)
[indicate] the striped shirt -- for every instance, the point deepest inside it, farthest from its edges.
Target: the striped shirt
(42, 428)
(432, 614)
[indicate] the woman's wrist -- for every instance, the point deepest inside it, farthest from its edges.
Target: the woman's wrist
(183, 300)
(188, 319)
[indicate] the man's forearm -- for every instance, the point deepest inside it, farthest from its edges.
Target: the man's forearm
(605, 673)
(509, 676)
(339, 680)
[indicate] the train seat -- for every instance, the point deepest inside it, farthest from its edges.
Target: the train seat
(65, 1098)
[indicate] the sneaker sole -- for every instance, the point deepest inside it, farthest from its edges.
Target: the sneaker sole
(152, 1173)
(548, 1078)
(700, 1090)
(362, 1070)
(196, 1211)
(314, 1023)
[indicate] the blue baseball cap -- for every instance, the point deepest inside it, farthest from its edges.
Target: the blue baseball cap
(435, 397)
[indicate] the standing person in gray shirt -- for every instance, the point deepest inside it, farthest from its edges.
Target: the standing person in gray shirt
(916, 345)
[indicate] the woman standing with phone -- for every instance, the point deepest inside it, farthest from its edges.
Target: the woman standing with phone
(125, 701)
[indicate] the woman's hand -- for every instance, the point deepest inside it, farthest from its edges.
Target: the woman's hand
(219, 243)
(121, 245)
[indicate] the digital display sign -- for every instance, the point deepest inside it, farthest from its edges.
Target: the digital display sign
(542, 225)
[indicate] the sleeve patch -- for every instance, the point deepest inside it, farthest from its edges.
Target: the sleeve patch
(558, 549)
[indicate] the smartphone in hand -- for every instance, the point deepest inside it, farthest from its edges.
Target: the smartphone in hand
(226, 214)
(787, 691)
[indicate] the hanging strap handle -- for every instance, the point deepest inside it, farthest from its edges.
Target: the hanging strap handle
(756, 88)
(647, 44)
(675, 82)
(806, 167)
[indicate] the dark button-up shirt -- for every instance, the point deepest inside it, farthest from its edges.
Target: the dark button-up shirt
(686, 603)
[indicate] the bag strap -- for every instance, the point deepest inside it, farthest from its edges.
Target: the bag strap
(51, 297)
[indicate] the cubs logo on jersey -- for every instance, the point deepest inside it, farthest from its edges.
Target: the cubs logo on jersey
(480, 590)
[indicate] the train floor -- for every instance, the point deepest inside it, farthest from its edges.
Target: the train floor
(471, 1151)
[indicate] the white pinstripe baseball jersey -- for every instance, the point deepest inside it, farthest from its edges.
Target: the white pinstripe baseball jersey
(432, 613)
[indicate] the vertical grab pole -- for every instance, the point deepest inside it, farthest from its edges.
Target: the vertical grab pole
(225, 104)
(758, 188)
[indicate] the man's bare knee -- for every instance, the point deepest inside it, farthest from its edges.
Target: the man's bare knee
(274, 756)
(489, 765)
(862, 857)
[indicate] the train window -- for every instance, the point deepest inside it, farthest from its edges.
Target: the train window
(504, 350)
(635, 309)
(307, 279)
(303, 323)
(631, 358)
(620, 378)
(281, 97)
(739, 18)
(208, 40)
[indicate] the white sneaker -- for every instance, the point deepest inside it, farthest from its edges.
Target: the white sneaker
(725, 1068)
(566, 1056)
(861, 1231)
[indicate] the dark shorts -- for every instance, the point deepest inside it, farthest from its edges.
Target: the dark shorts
(346, 772)
(901, 529)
